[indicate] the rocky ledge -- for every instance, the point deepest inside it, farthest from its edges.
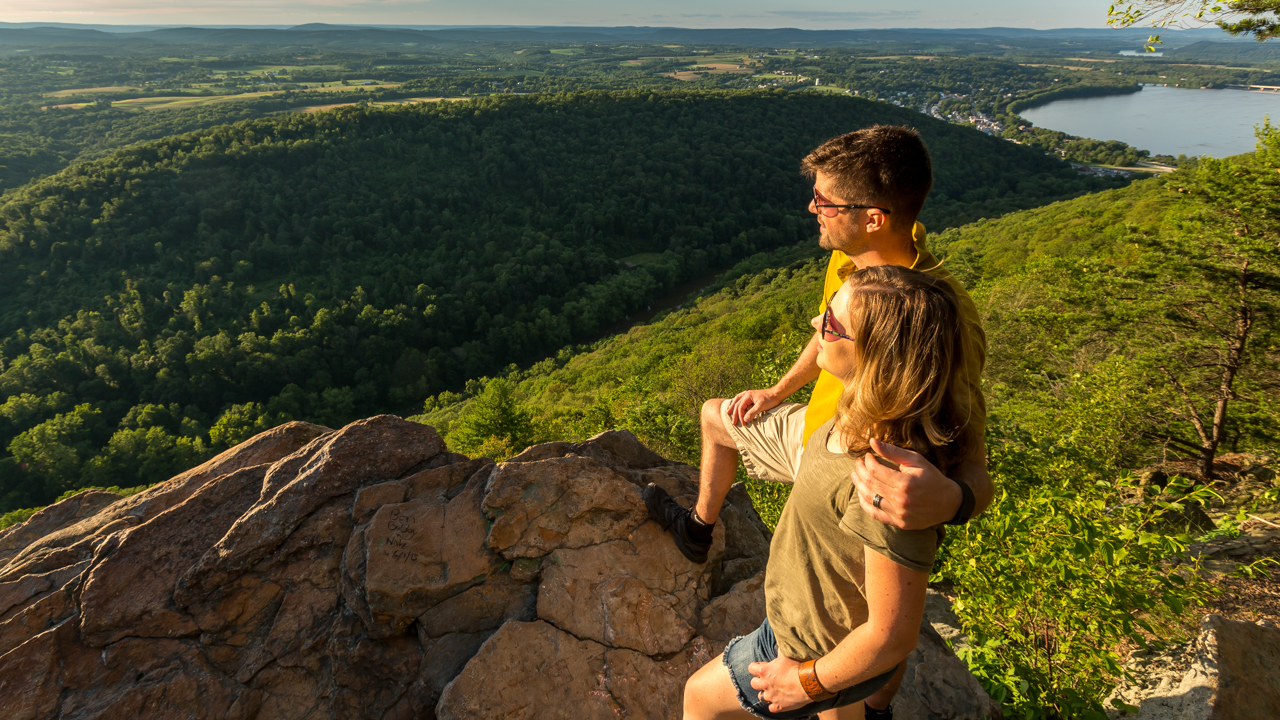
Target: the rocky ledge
(369, 573)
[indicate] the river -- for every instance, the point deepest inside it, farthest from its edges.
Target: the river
(1165, 120)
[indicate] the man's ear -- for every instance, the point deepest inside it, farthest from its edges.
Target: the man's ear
(877, 220)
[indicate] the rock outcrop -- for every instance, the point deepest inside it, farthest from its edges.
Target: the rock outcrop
(1230, 672)
(369, 573)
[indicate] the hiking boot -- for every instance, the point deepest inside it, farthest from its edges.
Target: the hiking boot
(679, 521)
(874, 714)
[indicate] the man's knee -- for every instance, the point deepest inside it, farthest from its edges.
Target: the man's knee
(713, 423)
(712, 412)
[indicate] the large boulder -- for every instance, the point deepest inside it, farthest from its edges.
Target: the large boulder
(368, 573)
(938, 685)
(75, 539)
(1231, 671)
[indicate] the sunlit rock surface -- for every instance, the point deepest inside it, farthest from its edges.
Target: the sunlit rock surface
(369, 573)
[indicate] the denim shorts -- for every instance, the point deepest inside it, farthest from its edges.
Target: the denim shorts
(760, 646)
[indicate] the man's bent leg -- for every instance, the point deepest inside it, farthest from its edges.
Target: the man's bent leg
(719, 462)
(769, 446)
(692, 533)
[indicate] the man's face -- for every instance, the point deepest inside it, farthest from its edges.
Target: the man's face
(845, 231)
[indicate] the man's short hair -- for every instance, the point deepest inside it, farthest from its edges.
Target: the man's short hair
(885, 166)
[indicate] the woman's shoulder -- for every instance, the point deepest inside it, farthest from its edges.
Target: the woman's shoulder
(915, 549)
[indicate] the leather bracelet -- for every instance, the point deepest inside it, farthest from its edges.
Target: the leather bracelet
(966, 504)
(810, 682)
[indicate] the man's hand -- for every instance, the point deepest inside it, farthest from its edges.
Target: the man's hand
(779, 684)
(750, 404)
(914, 497)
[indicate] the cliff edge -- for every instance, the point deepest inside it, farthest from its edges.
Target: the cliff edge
(368, 572)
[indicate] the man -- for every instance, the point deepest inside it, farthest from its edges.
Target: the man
(869, 187)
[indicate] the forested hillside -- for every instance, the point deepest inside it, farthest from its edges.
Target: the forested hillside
(1148, 286)
(182, 293)
(35, 142)
(1128, 330)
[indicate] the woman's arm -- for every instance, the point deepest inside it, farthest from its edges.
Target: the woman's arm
(895, 607)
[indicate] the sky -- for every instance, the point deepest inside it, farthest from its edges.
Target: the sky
(806, 14)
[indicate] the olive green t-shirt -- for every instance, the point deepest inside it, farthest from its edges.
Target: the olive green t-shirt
(813, 586)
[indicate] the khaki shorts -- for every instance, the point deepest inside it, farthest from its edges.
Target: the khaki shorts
(770, 445)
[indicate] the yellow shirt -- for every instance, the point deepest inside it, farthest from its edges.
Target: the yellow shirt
(827, 391)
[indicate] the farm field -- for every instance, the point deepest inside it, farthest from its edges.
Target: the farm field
(723, 68)
(384, 103)
(711, 65)
(183, 101)
(280, 68)
(95, 91)
(507, 73)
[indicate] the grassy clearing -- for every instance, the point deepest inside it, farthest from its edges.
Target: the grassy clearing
(733, 58)
(281, 68)
(176, 102)
(721, 69)
(169, 102)
(405, 101)
(567, 51)
(96, 91)
(509, 73)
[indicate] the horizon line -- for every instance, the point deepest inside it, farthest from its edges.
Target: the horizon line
(416, 26)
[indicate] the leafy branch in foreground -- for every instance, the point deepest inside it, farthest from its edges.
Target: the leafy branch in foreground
(1259, 16)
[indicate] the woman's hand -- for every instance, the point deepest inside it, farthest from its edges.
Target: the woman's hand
(779, 684)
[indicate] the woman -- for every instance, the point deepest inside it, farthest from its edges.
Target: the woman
(845, 594)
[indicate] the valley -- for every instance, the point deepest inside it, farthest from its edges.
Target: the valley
(527, 237)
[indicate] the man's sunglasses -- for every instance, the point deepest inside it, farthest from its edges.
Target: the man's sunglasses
(826, 207)
(827, 332)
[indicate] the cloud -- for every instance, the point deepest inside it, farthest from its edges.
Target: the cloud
(844, 15)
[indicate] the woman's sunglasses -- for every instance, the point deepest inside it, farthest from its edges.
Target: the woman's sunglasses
(827, 332)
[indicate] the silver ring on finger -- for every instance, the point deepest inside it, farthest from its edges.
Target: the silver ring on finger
(875, 501)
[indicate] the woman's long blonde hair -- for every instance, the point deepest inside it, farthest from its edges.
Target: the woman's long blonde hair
(906, 387)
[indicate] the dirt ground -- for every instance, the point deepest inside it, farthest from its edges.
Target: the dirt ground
(1243, 597)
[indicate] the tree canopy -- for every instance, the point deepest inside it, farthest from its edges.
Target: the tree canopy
(328, 266)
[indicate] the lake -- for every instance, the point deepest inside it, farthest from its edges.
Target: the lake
(1165, 120)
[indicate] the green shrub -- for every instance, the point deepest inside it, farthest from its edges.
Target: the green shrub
(122, 492)
(1066, 565)
(17, 516)
(495, 424)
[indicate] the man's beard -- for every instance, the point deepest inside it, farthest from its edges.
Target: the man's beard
(853, 242)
